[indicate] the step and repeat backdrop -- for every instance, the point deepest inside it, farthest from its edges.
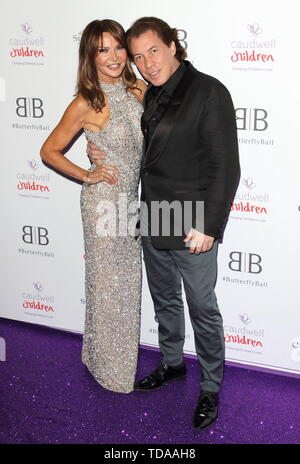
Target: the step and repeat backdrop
(252, 47)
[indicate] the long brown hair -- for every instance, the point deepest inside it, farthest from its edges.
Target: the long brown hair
(166, 33)
(87, 78)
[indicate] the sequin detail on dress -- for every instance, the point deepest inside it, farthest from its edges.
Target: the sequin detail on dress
(113, 263)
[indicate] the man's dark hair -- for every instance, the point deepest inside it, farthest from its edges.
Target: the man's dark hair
(163, 30)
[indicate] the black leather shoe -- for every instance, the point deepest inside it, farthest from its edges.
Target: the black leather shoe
(206, 411)
(162, 375)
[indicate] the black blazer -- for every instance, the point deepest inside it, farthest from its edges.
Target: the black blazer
(193, 154)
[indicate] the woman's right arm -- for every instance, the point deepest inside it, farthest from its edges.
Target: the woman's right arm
(69, 125)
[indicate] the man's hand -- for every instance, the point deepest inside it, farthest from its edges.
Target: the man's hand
(199, 242)
(94, 153)
(102, 173)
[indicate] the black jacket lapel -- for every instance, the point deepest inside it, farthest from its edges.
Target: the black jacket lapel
(165, 126)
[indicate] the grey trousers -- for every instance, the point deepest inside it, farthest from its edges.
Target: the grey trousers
(166, 269)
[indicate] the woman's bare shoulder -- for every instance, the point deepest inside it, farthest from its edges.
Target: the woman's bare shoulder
(79, 104)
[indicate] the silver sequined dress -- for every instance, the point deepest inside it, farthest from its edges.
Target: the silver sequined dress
(112, 257)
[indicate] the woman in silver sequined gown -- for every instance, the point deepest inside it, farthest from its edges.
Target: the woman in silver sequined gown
(109, 209)
(113, 264)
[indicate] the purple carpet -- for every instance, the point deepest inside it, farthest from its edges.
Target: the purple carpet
(48, 396)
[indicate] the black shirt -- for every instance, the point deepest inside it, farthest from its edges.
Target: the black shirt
(157, 100)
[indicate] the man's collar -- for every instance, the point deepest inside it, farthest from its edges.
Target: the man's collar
(173, 81)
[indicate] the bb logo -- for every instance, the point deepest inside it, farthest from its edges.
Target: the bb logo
(35, 235)
(245, 262)
(182, 35)
(254, 119)
(29, 107)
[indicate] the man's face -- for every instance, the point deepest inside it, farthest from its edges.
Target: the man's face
(154, 59)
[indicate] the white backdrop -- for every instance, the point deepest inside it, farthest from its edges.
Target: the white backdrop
(253, 49)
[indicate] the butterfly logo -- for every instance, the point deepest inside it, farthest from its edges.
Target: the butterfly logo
(244, 318)
(254, 29)
(249, 183)
(38, 286)
(26, 28)
(33, 164)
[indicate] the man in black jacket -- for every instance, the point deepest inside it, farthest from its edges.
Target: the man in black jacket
(190, 158)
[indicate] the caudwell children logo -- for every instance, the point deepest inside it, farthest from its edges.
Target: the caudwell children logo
(245, 337)
(37, 301)
(250, 202)
(32, 183)
(26, 46)
(253, 50)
